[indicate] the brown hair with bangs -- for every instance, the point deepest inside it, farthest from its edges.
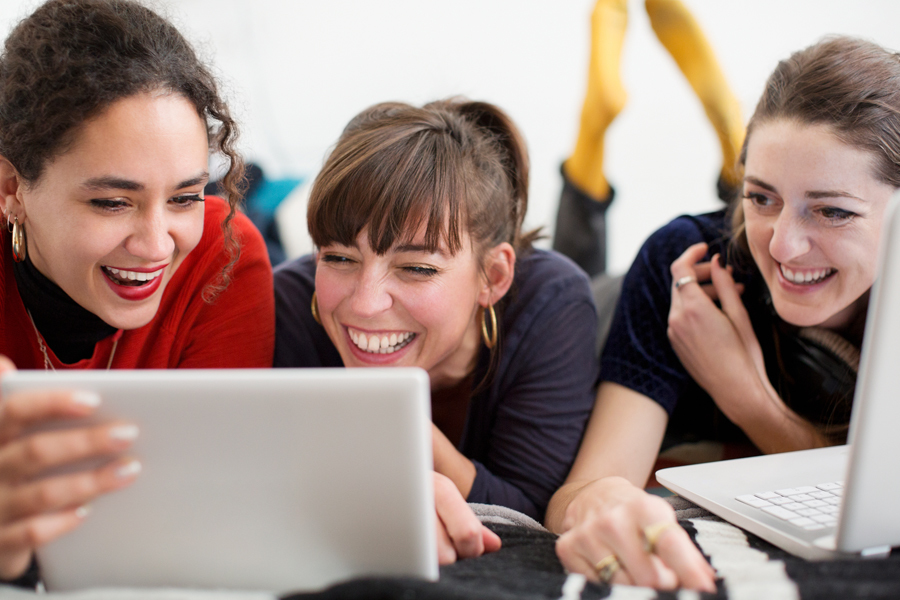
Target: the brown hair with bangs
(458, 167)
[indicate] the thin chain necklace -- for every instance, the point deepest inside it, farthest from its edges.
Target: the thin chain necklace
(48, 365)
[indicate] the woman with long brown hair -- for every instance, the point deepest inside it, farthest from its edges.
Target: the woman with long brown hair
(742, 325)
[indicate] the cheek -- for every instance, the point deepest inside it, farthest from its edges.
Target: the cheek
(444, 309)
(190, 231)
(758, 237)
(331, 289)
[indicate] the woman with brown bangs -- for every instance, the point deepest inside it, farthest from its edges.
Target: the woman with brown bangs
(417, 216)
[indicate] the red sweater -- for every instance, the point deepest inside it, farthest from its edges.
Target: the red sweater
(236, 330)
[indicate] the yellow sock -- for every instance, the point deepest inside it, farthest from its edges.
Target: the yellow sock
(681, 35)
(604, 99)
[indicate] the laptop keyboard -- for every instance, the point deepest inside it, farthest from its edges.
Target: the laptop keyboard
(809, 507)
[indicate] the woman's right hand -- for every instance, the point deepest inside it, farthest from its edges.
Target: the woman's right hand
(608, 518)
(460, 533)
(35, 509)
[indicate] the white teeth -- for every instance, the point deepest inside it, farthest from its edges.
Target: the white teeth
(134, 275)
(380, 344)
(374, 343)
(814, 276)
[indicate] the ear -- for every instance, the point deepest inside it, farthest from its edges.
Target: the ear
(499, 271)
(11, 184)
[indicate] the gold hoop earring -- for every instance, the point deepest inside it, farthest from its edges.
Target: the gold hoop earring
(314, 307)
(490, 340)
(18, 241)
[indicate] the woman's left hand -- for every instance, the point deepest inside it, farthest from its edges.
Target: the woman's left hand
(459, 532)
(717, 347)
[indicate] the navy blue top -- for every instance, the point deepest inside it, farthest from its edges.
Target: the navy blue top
(638, 354)
(524, 427)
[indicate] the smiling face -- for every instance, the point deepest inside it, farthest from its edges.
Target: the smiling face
(813, 210)
(113, 217)
(408, 307)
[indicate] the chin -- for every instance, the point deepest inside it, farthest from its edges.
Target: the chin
(802, 316)
(133, 319)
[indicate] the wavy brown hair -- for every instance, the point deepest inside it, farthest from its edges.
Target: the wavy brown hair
(71, 59)
(850, 85)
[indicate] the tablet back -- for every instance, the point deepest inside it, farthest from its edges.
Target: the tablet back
(274, 480)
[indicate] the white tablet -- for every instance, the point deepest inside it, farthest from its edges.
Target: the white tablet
(278, 480)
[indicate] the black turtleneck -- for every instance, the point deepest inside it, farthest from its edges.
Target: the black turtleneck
(69, 329)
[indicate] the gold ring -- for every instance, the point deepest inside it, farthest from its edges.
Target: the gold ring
(684, 281)
(652, 533)
(607, 568)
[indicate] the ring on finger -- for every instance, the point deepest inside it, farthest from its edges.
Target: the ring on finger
(607, 568)
(652, 533)
(684, 281)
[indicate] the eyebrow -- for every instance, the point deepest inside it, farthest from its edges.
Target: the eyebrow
(118, 183)
(812, 195)
(419, 248)
(760, 183)
(816, 194)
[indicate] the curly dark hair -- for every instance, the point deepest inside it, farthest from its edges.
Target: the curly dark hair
(71, 59)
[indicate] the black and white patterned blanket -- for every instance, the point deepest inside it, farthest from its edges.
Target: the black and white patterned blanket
(526, 568)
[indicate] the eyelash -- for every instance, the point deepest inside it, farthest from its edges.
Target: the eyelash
(831, 214)
(187, 200)
(335, 258)
(416, 270)
(115, 205)
(421, 271)
(838, 215)
(757, 199)
(109, 205)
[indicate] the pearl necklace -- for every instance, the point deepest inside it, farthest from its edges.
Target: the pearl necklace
(48, 365)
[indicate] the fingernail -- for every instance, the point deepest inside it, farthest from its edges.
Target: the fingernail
(89, 399)
(82, 511)
(124, 433)
(129, 469)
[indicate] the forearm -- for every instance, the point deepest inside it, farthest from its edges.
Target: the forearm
(451, 463)
(770, 424)
(619, 446)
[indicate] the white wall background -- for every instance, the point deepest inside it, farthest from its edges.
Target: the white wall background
(297, 70)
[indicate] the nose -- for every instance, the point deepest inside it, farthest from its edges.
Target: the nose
(371, 295)
(790, 236)
(151, 237)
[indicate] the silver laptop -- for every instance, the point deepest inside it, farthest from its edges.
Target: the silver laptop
(827, 502)
(275, 480)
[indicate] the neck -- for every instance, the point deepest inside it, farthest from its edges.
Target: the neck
(68, 329)
(460, 364)
(851, 322)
